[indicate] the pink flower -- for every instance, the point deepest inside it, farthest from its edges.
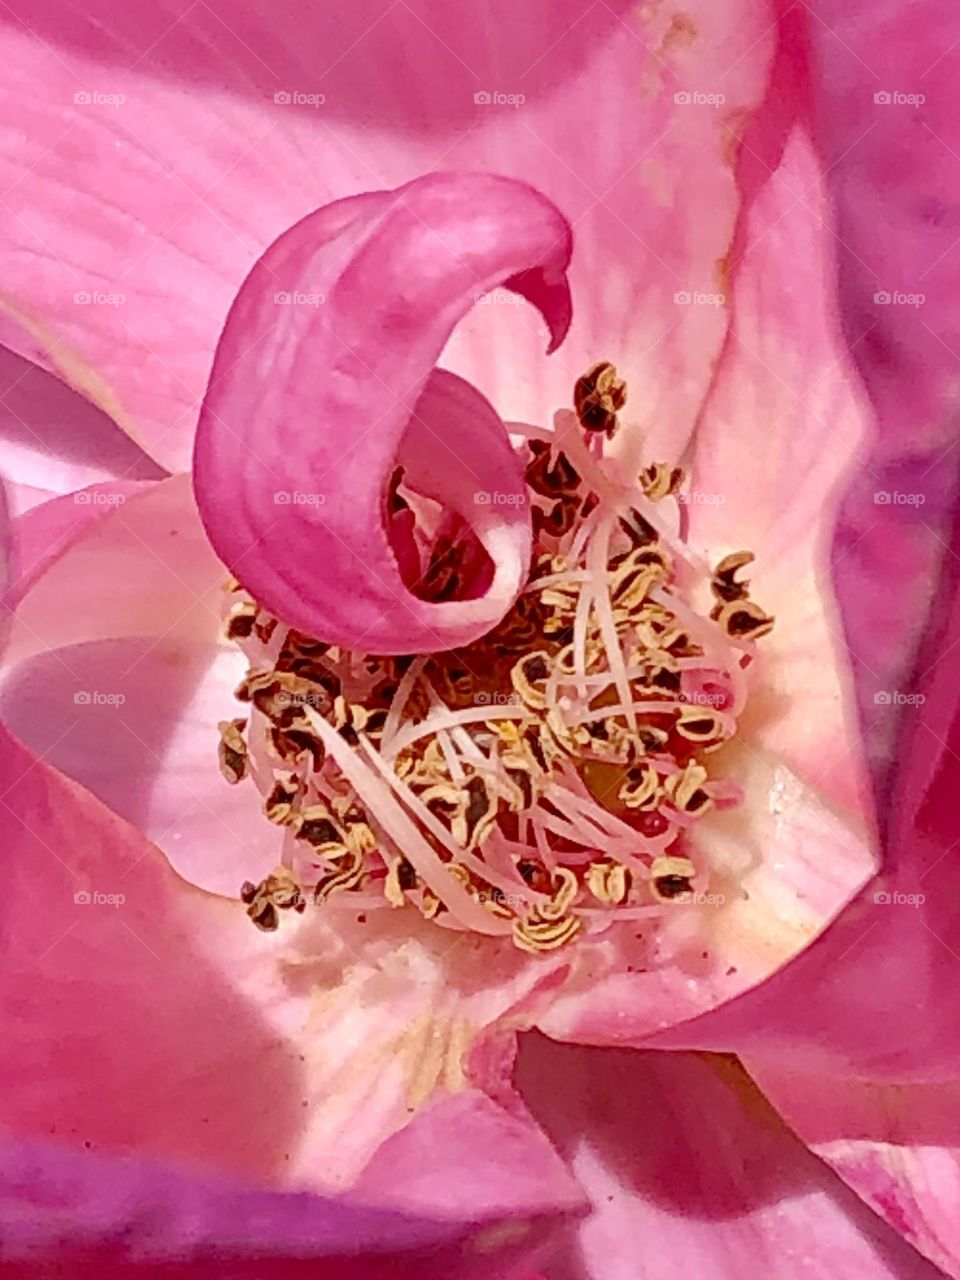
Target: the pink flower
(691, 181)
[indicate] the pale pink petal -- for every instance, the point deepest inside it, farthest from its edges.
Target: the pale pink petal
(144, 568)
(779, 434)
(897, 1145)
(689, 1169)
(154, 208)
(293, 494)
(149, 1016)
(880, 971)
(784, 865)
(135, 720)
(48, 527)
(54, 441)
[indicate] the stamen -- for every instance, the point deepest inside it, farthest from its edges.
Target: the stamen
(542, 784)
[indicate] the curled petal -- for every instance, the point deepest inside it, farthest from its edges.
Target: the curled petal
(321, 374)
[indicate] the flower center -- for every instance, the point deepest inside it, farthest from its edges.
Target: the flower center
(544, 783)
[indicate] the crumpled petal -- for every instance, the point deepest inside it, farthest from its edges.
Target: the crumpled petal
(154, 210)
(684, 1161)
(897, 1145)
(297, 442)
(90, 1215)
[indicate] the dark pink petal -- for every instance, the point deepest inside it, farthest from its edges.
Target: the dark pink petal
(298, 439)
(897, 1145)
(689, 1169)
(88, 1215)
(886, 118)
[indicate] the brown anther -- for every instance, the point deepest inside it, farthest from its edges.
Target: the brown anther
(608, 882)
(598, 397)
(279, 891)
(557, 520)
(659, 480)
(640, 788)
(280, 803)
(699, 725)
(671, 877)
(233, 750)
(240, 620)
(723, 584)
(744, 620)
(550, 473)
(685, 789)
(347, 876)
(529, 678)
(317, 826)
(264, 626)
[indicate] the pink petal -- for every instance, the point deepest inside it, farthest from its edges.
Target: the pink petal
(777, 435)
(117, 644)
(286, 1058)
(167, 207)
(684, 1160)
(47, 528)
(293, 495)
(898, 1147)
(54, 441)
(83, 1214)
(879, 973)
(892, 165)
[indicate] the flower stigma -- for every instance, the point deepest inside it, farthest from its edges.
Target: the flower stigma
(544, 783)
